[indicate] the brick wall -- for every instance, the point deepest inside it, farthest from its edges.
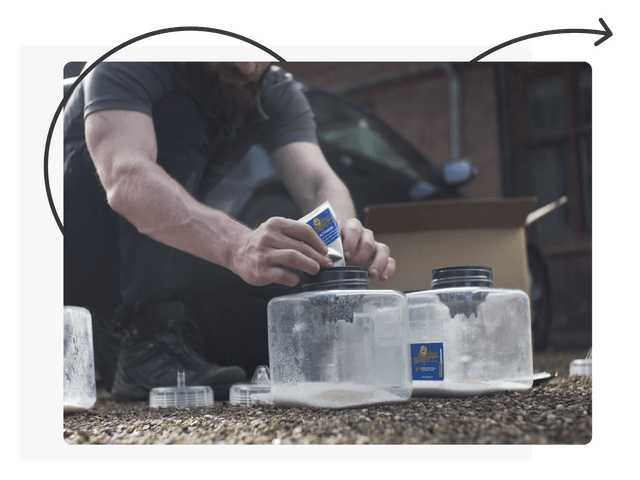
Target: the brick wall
(418, 107)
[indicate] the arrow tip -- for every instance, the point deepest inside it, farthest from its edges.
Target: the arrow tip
(606, 34)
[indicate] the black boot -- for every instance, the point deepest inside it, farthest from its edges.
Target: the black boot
(159, 342)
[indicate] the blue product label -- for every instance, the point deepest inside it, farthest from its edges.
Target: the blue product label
(325, 226)
(426, 361)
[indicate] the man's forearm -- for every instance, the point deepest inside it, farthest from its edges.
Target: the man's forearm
(123, 147)
(311, 181)
(339, 197)
(159, 207)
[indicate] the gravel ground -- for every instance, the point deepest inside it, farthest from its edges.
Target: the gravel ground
(555, 412)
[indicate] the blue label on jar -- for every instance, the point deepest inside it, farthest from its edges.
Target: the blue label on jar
(325, 226)
(426, 361)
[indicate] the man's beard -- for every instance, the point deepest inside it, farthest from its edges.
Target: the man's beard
(230, 94)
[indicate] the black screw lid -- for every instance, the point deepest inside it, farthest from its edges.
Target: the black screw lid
(463, 276)
(336, 278)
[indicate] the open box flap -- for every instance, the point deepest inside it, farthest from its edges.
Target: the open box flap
(449, 214)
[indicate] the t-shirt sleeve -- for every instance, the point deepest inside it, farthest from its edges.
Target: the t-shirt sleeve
(290, 114)
(130, 86)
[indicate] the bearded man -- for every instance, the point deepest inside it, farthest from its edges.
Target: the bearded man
(174, 284)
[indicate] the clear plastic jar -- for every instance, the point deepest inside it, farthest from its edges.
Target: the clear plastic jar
(79, 385)
(338, 344)
(467, 337)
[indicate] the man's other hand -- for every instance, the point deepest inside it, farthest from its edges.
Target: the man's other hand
(360, 248)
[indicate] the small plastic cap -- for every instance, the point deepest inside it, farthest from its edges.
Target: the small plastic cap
(259, 388)
(181, 396)
(581, 367)
(463, 276)
(243, 393)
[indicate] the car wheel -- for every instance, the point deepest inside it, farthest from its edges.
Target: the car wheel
(263, 207)
(540, 288)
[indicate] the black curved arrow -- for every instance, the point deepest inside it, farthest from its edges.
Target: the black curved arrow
(104, 57)
(606, 33)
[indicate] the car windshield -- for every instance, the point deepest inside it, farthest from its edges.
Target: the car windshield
(351, 130)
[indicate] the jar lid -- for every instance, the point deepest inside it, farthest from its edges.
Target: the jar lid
(462, 276)
(337, 278)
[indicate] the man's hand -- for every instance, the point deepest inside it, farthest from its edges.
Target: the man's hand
(269, 253)
(311, 181)
(360, 248)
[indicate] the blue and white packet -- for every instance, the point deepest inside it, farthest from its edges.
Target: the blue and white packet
(324, 223)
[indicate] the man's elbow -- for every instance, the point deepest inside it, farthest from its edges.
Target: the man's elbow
(148, 202)
(122, 187)
(119, 200)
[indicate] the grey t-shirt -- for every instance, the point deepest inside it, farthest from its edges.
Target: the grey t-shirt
(283, 114)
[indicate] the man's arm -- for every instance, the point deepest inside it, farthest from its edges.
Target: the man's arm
(123, 147)
(311, 181)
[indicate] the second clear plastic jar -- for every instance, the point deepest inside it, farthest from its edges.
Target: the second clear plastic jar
(338, 344)
(467, 337)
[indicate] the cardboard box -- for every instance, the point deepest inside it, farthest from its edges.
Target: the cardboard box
(427, 235)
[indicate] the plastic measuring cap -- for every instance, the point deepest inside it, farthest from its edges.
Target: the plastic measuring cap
(181, 395)
(256, 392)
(581, 367)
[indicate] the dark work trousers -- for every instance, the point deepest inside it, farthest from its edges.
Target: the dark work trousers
(107, 262)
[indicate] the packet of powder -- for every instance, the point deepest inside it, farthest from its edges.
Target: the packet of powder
(323, 221)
